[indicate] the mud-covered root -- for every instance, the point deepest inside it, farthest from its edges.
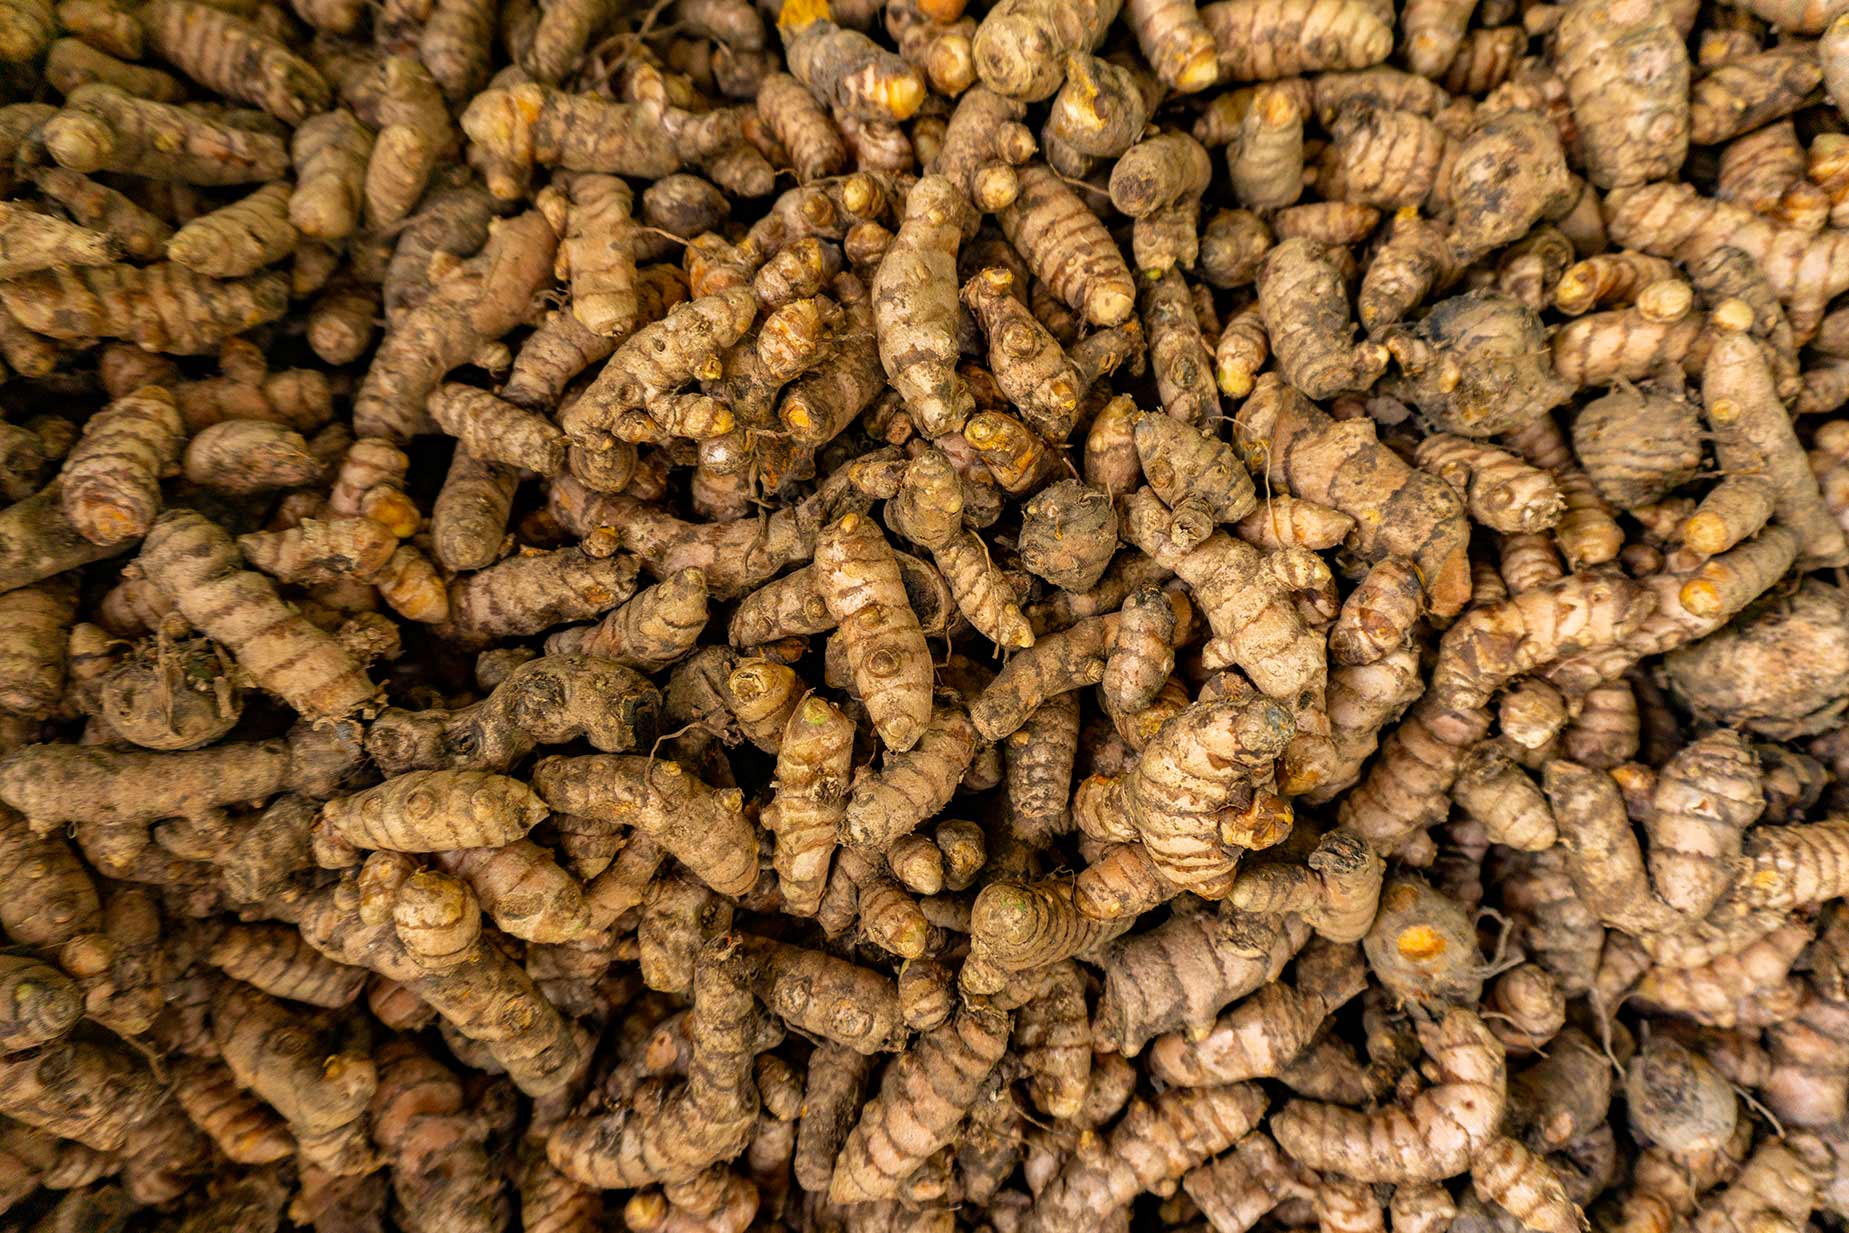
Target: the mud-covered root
(860, 583)
(1068, 248)
(435, 811)
(1503, 492)
(160, 307)
(914, 307)
(803, 126)
(1022, 45)
(195, 563)
(1728, 677)
(1493, 789)
(1525, 1185)
(111, 490)
(1476, 365)
(171, 695)
(1238, 1188)
(1739, 395)
(847, 70)
(1676, 1100)
(1020, 927)
(1579, 613)
(1258, 42)
(1415, 258)
(1156, 1143)
(321, 1093)
(707, 1119)
(38, 1003)
(1159, 182)
(1626, 71)
(1436, 1135)
(1305, 310)
(1336, 890)
(235, 58)
(1703, 800)
(1379, 614)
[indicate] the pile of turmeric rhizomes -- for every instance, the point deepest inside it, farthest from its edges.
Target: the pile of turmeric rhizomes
(797, 618)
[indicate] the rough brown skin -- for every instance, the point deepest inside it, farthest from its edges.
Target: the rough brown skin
(1492, 788)
(1415, 258)
(707, 1119)
(912, 785)
(657, 360)
(1159, 182)
(1260, 44)
(1259, 1036)
(1266, 158)
(194, 561)
(1021, 46)
(34, 661)
(802, 125)
(30, 241)
(320, 1093)
(111, 477)
(1576, 615)
(422, 1123)
(1379, 614)
(1778, 705)
(159, 307)
(473, 985)
(914, 307)
(1335, 891)
(1021, 927)
(860, 584)
(1031, 367)
(1626, 73)
(1189, 799)
(474, 303)
(1753, 436)
(40, 1003)
(923, 1097)
(37, 540)
(235, 58)
(1155, 1144)
(1476, 365)
(1246, 598)
(1306, 315)
(103, 129)
(648, 632)
(527, 594)
(1510, 172)
(1110, 868)
(1393, 158)
(135, 231)
(528, 124)
(1434, 1136)
(1068, 248)
(1636, 445)
(275, 959)
(1407, 787)
(1183, 365)
(434, 811)
(239, 1124)
(1673, 220)
(701, 826)
(331, 154)
(90, 1093)
(1056, 664)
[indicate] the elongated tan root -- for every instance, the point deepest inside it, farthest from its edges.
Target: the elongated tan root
(708, 1119)
(1434, 1137)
